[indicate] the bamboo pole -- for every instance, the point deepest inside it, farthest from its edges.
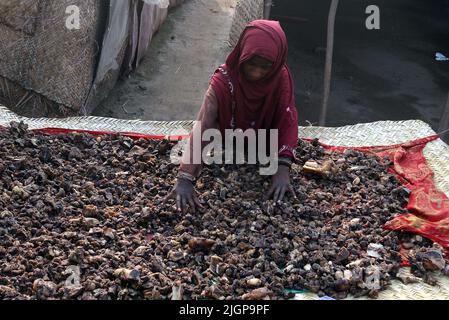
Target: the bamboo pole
(329, 55)
(267, 9)
(444, 121)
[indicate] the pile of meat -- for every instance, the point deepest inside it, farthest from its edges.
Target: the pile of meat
(83, 217)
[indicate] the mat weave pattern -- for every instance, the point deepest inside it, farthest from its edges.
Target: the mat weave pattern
(245, 12)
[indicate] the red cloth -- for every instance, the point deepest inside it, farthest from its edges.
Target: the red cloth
(428, 207)
(265, 104)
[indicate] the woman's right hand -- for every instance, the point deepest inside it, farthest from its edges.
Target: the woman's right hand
(184, 192)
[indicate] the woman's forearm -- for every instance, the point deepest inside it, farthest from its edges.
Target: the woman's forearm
(207, 118)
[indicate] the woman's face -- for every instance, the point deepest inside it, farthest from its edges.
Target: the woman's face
(256, 68)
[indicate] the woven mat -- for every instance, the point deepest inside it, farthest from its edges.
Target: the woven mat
(21, 15)
(48, 58)
(399, 291)
(245, 12)
(368, 134)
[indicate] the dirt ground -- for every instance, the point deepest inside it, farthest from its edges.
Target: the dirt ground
(386, 74)
(171, 81)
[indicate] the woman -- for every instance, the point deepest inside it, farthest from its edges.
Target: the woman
(262, 97)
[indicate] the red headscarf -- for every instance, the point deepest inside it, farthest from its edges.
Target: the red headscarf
(265, 104)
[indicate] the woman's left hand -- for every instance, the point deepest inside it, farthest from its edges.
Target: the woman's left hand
(280, 184)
